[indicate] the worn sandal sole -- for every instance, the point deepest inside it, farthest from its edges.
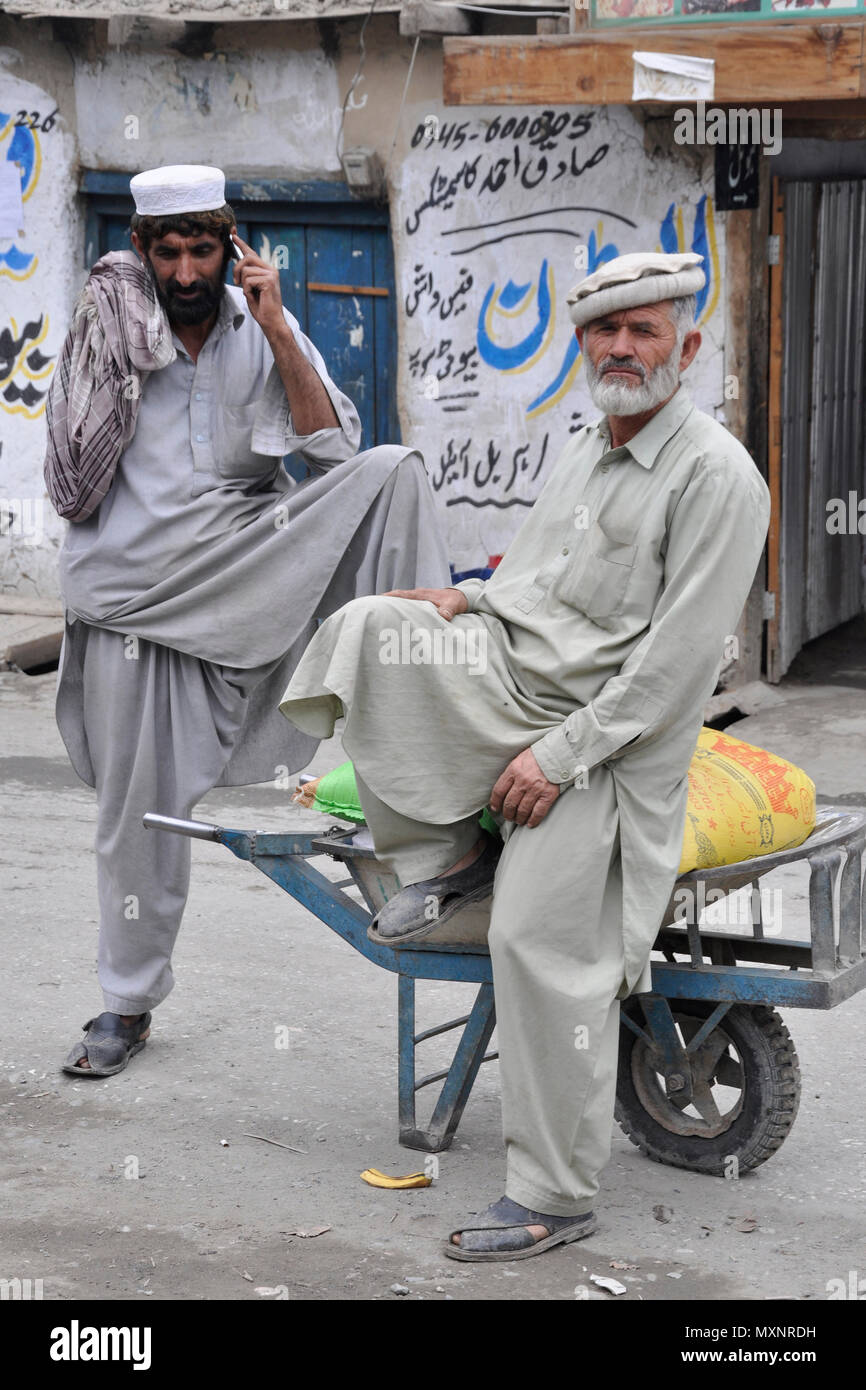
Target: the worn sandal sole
(564, 1237)
(107, 1071)
(418, 933)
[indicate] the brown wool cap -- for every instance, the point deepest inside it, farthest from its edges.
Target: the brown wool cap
(643, 277)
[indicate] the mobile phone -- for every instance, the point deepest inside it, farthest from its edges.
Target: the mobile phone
(238, 255)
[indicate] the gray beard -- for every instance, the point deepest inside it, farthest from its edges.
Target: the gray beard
(618, 398)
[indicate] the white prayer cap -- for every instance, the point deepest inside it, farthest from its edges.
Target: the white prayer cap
(178, 188)
(644, 277)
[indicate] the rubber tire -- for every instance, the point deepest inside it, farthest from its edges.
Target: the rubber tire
(772, 1094)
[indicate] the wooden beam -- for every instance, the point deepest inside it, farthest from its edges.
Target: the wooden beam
(850, 111)
(774, 450)
(823, 127)
(346, 289)
(776, 62)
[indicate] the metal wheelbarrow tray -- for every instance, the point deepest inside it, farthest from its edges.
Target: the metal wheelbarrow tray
(708, 1075)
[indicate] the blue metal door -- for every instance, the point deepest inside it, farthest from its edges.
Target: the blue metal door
(338, 283)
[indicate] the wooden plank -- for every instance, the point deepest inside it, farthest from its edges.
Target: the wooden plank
(347, 289)
(36, 655)
(774, 445)
(741, 327)
(844, 113)
(776, 62)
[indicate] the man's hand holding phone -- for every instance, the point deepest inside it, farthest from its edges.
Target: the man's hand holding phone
(260, 283)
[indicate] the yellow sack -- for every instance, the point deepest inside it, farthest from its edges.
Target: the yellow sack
(742, 802)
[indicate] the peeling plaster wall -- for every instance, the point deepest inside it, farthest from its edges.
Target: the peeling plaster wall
(245, 111)
(264, 98)
(40, 274)
(199, 10)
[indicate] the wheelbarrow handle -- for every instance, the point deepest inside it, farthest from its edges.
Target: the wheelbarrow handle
(195, 829)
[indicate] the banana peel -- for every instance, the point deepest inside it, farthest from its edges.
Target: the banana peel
(377, 1179)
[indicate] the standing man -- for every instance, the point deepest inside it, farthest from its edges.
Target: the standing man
(603, 630)
(195, 569)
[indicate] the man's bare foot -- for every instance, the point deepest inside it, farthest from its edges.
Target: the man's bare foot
(124, 1018)
(468, 858)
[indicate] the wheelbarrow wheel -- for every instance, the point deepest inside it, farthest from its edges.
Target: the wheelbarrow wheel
(746, 1090)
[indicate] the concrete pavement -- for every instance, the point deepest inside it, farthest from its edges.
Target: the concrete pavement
(207, 1219)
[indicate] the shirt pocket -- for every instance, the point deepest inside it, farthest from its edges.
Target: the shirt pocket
(597, 581)
(232, 452)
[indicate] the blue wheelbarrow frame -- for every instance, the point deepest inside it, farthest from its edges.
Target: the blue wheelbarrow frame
(717, 967)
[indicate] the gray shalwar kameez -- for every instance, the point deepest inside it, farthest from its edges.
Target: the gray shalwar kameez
(190, 595)
(604, 628)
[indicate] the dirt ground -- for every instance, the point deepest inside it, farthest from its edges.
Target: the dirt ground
(158, 1183)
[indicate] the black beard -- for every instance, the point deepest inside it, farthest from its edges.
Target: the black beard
(191, 311)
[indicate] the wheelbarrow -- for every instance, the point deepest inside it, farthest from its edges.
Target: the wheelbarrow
(708, 1076)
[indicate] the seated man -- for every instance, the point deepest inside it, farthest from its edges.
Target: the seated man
(603, 631)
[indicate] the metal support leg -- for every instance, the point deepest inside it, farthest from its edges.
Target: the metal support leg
(459, 1078)
(850, 944)
(823, 869)
(406, 1054)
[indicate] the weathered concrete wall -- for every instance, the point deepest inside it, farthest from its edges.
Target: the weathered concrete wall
(40, 274)
(264, 98)
(200, 11)
(245, 108)
(495, 214)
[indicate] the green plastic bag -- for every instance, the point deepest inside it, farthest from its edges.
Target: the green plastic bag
(337, 795)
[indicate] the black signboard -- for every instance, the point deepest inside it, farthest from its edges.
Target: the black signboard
(737, 169)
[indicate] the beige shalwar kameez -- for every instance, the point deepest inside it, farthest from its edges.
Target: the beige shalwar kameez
(603, 629)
